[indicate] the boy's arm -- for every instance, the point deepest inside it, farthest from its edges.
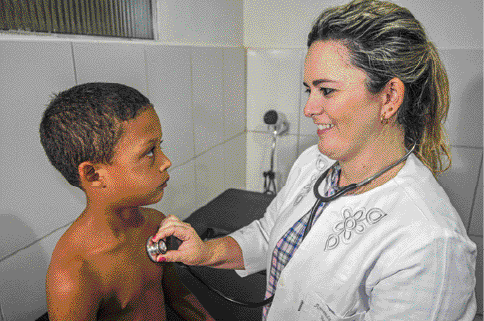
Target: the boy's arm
(72, 292)
(179, 298)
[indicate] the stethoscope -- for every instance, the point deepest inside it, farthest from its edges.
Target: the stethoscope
(172, 243)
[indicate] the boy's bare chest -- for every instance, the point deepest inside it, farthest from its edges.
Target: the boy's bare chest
(130, 279)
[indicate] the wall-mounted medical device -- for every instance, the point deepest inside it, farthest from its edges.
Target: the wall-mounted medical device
(278, 124)
(276, 121)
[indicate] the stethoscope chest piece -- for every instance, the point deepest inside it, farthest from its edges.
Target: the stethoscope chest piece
(155, 248)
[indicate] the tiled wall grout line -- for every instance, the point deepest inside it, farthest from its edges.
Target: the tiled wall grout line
(2, 316)
(34, 242)
(74, 63)
(465, 146)
(193, 124)
(475, 195)
(146, 74)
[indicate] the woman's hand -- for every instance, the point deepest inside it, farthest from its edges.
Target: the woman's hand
(192, 251)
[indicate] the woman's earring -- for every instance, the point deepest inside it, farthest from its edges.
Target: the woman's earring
(383, 120)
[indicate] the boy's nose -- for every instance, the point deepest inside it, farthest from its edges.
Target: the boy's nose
(165, 163)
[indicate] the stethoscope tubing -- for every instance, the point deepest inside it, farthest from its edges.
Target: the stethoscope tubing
(223, 296)
(161, 247)
(343, 190)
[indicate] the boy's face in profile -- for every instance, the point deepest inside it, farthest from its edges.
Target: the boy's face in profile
(137, 174)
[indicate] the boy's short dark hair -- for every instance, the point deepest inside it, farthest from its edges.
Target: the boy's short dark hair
(83, 123)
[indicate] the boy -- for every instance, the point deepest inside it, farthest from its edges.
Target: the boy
(105, 139)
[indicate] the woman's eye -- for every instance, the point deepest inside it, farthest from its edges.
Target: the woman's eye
(326, 91)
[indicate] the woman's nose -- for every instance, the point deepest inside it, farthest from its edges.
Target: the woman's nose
(313, 106)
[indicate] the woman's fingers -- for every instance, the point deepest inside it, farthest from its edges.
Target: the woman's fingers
(172, 256)
(192, 250)
(171, 225)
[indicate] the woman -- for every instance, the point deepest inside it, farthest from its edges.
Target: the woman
(391, 248)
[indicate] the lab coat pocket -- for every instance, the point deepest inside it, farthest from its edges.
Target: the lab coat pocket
(313, 308)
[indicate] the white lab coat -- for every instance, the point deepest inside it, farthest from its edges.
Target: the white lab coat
(396, 252)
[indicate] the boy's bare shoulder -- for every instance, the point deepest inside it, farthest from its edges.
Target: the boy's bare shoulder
(71, 275)
(69, 257)
(70, 261)
(73, 287)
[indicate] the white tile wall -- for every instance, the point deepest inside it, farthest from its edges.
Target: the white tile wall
(477, 213)
(258, 158)
(194, 22)
(209, 168)
(235, 160)
(170, 89)
(23, 280)
(180, 194)
(461, 180)
(449, 24)
(29, 187)
(273, 76)
(121, 62)
(220, 168)
(208, 98)
(280, 24)
(464, 69)
(234, 92)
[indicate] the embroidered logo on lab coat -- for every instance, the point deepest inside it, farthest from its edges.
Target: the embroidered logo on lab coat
(351, 224)
(321, 165)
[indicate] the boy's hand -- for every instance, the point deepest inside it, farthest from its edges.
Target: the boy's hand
(192, 251)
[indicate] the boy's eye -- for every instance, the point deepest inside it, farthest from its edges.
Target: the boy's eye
(151, 152)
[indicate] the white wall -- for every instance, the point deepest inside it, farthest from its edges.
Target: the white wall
(201, 22)
(195, 77)
(275, 37)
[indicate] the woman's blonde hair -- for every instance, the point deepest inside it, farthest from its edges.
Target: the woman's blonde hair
(386, 41)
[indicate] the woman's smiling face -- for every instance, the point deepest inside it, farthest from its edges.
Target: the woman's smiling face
(346, 113)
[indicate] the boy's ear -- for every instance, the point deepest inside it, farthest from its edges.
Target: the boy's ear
(91, 174)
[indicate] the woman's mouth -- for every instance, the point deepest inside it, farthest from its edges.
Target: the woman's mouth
(323, 128)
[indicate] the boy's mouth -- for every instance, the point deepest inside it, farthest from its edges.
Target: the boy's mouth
(163, 185)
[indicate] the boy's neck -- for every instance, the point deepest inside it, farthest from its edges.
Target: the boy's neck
(118, 220)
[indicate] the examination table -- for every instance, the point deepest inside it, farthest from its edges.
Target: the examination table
(226, 213)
